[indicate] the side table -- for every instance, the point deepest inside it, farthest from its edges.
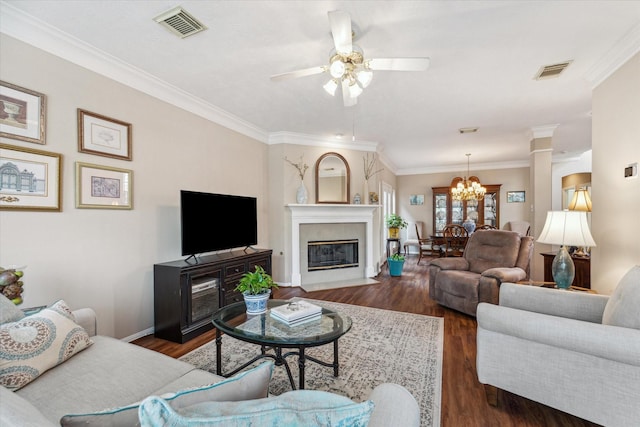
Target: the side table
(397, 242)
(552, 285)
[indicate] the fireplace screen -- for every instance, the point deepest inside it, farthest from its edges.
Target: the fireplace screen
(327, 255)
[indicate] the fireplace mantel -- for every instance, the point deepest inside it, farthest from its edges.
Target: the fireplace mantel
(330, 214)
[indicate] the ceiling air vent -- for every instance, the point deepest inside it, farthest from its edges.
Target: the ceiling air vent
(551, 71)
(180, 22)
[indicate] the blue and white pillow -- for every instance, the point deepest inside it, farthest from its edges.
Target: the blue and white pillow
(291, 409)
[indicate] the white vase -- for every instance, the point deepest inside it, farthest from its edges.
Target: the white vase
(301, 194)
(365, 193)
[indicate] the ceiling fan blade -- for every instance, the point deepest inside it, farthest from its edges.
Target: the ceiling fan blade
(341, 29)
(298, 73)
(346, 99)
(399, 64)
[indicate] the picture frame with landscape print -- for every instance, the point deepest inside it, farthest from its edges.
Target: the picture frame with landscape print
(22, 113)
(103, 136)
(103, 187)
(515, 196)
(30, 180)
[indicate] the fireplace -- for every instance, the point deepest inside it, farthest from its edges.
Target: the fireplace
(332, 254)
(331, 223)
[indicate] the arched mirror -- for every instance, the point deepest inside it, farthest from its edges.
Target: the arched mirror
(332, 179)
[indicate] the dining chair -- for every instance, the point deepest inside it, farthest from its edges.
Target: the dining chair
(455, 238)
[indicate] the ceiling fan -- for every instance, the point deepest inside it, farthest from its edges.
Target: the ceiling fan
(347, 66)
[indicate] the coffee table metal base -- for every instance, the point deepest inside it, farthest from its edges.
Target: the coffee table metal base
(280, 360)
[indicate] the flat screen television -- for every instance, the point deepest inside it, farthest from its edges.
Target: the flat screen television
(211, 222)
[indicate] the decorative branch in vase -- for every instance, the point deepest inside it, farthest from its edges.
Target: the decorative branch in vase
(370, 162)
(301, 166)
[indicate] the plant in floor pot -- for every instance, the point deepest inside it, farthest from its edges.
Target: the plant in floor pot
(396, 262)
(256, 287)
(394, 224)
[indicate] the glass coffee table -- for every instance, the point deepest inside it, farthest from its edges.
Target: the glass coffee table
(274, 336)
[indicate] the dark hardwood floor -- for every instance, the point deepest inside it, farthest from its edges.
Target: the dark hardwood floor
(463, 398)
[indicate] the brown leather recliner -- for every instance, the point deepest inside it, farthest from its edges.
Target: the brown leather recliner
(490, 258)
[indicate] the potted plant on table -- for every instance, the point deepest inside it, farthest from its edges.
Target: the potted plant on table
(395, 223)
(256, 287)
(395, 262)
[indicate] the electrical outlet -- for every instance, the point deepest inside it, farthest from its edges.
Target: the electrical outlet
(631, 171)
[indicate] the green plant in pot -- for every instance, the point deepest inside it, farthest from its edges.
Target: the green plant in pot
(256, 287)
(395, 262)
(394, 224)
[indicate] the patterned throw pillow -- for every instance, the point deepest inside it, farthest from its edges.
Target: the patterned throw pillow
(294, 408)
(37, 343)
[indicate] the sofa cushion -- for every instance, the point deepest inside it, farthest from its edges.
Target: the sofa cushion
(252, 384)
(38, 343)
(18, 412)
(294, 408)
(9, 312)
(622, 307)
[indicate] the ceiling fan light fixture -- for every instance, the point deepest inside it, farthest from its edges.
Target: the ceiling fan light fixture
(337, 69)
(354, 90)
(330, 87)
(364, 77)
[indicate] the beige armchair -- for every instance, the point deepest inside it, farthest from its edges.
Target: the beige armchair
(573, 351)
(490, 258)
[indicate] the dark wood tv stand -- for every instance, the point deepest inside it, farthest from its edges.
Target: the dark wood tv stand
(186, 293)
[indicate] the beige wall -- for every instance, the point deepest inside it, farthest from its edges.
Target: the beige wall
(616, 200)
(104, 258)
(511, 179)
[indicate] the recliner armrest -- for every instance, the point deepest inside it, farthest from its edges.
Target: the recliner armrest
(506, 274)
(603, 341)
(455, 263)
(572, 305)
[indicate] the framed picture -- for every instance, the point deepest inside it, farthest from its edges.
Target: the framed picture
(416, 199)
(102, 187)
(515, 196)
(22, 115)
(103, 136)
(30, 180)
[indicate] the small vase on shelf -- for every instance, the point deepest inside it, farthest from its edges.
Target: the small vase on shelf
(301, 194)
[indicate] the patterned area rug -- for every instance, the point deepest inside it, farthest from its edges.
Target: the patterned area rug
(382, 346)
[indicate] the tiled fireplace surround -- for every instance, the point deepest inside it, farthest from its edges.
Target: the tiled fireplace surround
(339, 216)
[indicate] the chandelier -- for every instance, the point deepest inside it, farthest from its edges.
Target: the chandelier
(467, 188)
(349, 71)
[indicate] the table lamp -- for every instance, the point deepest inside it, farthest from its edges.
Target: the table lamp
(565, 228)
(581, 201)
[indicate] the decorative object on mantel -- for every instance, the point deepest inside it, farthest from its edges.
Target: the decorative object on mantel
(467, 188)
(395, 223)
(301, 193)
(565, 228)
(356, 199)
(10, 284)
(369, 171)
(373, 198)
(256, 287)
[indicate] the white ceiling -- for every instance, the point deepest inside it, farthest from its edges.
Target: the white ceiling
(484, 55)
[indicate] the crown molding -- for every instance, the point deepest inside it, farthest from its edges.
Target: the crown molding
(35, 32)
(463, 167)
(319, 141)
(617, 56)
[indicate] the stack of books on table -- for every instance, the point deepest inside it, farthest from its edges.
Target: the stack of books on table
(296, 312)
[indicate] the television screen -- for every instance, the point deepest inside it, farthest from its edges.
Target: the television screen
(211, 222)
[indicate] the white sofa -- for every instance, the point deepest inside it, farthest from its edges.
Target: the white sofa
(573, 351)
(114, 374)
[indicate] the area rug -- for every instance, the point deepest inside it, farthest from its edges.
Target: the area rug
(382, 346)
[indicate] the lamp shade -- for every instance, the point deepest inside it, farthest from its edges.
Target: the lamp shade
(567, 228)
(581, 201)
